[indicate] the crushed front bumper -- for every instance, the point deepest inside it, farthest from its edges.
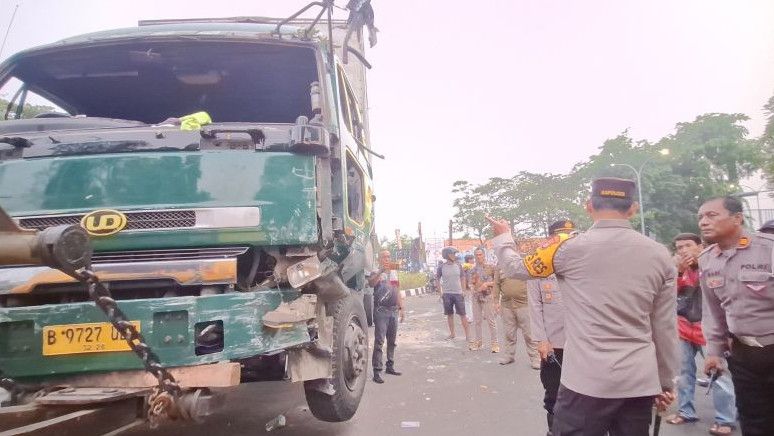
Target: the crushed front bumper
(169, 325)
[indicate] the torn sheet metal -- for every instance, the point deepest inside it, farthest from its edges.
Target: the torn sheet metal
(287, 314)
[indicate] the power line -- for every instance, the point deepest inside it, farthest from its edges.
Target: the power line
(7, 31)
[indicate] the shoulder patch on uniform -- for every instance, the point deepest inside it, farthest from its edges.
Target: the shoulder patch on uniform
(541, 263)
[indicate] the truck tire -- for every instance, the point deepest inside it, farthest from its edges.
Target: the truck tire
(368, 305)
(349, 363)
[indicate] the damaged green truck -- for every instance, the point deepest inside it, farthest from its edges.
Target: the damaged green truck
(237, 248)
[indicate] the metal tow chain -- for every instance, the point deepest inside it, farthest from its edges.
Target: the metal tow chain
(162, 402)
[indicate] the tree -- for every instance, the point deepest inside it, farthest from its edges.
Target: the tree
(767, 140)
(708, 156)
(721, 142)
(541, 199)
(29, 111)
(471, 205)
(531, 202)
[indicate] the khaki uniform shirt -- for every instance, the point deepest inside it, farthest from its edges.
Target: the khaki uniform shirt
(546, 311)
(480, 274)
(738, 290)
(510, 292)
(620, 320)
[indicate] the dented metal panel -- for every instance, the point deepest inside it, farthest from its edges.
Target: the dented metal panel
(281, 185)
(241, 313)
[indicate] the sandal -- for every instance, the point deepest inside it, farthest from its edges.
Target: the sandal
(721, 429)
(678, 419)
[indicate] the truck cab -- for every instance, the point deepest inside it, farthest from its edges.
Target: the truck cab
(222, 169)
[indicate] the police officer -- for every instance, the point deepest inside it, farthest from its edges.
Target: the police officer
(482, 280)
(511, 297)
(547, 324)
(737, 283)
(388, 310)
(618, 289)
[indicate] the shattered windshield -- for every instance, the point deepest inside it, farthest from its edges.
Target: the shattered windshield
(150, 81)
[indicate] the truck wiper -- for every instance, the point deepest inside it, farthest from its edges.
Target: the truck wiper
(16, 141)
(11, 147)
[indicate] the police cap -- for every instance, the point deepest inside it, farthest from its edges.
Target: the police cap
(561, 226)
(767, 227)
(613, 187)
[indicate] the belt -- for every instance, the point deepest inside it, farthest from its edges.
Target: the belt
(756, 341)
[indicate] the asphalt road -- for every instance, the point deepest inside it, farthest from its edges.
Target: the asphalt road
(444, 390)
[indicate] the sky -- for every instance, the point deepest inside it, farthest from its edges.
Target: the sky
(473, 90)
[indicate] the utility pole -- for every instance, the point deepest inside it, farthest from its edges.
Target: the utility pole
(451, 238)
(422, 253)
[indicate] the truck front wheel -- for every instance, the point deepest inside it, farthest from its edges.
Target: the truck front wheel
(349, 363)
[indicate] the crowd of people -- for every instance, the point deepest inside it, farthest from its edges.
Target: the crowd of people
(477, 292)
(614, 320)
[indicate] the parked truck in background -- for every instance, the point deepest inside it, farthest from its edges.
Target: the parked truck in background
(223, 170)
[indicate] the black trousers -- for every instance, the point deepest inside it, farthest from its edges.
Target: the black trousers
(580, 415)
(752, 370)
(550, 374)
(385, 327)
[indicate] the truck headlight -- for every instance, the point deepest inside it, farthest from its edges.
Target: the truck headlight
(304, 272)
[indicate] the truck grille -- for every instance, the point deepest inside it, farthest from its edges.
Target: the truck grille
(167, 255)
(144, 220)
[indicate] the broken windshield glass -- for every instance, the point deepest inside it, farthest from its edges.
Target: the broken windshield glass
(150, 81)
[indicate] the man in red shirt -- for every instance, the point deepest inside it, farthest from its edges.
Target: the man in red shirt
(688, 246)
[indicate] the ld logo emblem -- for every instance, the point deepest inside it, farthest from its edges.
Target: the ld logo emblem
(103, 222)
